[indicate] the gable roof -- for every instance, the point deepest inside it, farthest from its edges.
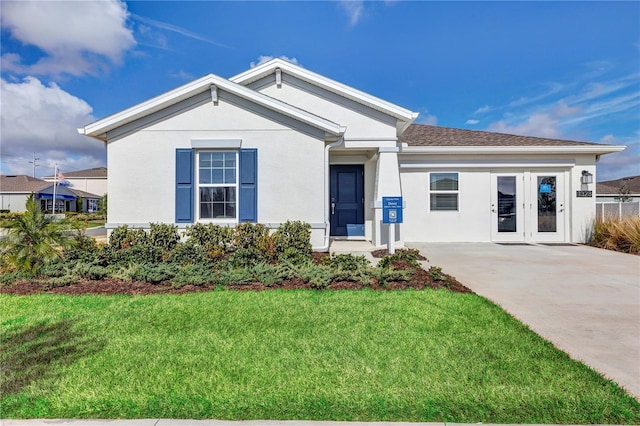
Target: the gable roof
(422, 137)
(404, 115)
(96, 172)
(613, 186)
(99, 129)
(22, 184)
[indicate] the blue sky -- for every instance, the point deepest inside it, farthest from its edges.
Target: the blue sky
(568, 70)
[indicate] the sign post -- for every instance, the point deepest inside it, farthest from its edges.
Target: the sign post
(392, 214)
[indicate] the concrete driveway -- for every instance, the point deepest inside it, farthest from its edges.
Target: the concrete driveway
(586, 301)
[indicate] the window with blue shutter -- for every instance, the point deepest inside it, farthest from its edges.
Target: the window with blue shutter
(184, 186)
(248, 186)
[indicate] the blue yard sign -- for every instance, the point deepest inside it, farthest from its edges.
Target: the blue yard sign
(391, 209)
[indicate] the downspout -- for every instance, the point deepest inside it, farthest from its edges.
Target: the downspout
(327, 223)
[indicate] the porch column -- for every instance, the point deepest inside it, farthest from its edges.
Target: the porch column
(387, 185)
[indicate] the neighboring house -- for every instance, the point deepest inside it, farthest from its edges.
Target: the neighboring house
(15, 189)
(618, 198)
(610, 191)
(92, 181)
(279, 142)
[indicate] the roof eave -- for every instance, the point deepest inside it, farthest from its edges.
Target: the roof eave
(100, 128)
(564, 149)
(269, 67)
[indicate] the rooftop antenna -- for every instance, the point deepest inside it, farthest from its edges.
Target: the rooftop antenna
(34, 164)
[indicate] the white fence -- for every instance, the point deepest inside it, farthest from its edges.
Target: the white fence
(614, 210)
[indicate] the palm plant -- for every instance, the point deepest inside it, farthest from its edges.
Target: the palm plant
(33, 240)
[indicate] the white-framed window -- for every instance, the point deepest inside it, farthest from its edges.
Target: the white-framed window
(217, 185)
(443, 191)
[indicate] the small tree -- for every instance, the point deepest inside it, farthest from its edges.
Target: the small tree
(102, 204)
(33, 240)
(624, 192)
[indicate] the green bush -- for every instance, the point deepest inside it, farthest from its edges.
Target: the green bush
(188, 253)
(89, 271)
(266, 274)
(386, 275)
(407, 254)
(210, 236)
(61, 281)
(142, 253)
(250, 235)
(194, 275)
(123, 237)
(295, 256)
(164, 236)
(83, 248)
(293, 235)
(245, 257)
(346, 262)
(155, 274)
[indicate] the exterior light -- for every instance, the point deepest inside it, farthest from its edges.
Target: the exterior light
(586, 178)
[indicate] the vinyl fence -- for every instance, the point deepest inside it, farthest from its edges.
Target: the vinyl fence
(613, 210)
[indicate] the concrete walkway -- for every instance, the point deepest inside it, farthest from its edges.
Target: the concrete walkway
(586, 301)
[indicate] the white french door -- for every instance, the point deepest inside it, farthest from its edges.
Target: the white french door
(548, 207)
(528, 206)
(507, 207)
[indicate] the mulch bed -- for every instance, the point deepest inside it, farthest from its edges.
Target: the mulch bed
(420, 280)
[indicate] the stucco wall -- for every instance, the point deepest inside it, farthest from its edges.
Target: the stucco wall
(141, 182)
(361, 122)
(13, 202)
(472, 222)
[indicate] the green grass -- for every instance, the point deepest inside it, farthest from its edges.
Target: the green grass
(346, 355)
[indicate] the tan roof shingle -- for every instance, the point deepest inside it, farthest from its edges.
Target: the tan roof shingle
(21, 183)
(426, 135)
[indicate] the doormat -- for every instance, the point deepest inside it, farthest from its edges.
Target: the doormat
(559, 244)
(514, 244)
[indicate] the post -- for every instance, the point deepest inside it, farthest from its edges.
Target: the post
(392, 238)
(55, 185)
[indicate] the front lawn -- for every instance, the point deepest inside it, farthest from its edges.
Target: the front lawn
(429, 355)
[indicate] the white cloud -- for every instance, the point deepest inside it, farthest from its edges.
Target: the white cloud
(553, 88)
(267, 58)
(620, 164)
(483, 110)
(353, 9)
(173, 28)
(541, 125)
(77, 37)
(426, 118)
(43, 119)
(472, 122)
(182, 75)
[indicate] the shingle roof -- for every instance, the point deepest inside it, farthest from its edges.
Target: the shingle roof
(84, 194)
(426, 135)
(613, 186)
(21, 183)
(96, 172)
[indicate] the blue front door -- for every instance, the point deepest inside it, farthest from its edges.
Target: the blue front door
(347, 200)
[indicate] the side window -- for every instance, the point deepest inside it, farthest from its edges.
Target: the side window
(443, 191)
(217, 184)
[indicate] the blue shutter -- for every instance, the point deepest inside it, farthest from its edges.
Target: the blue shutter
(184, 186)
(248, 199)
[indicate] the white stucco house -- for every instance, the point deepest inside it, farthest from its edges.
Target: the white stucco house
(93, 181)
(279, 142)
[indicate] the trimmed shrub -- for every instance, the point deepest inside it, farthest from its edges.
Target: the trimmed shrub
(164, 236)
(210, 236)
(293, 235)
(123, 237)
(407, 254)
(155, 274)
(142, 253)
(346, 262)
(194, 275)
(250, 235)
(89, 271)
(295, 256)
(188, 253)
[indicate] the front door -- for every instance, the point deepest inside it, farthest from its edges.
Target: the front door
(346, 200)
(547, 207)
(507, 207)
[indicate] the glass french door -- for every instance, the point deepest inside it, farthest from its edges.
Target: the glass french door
(507, 207)
(547, 207)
